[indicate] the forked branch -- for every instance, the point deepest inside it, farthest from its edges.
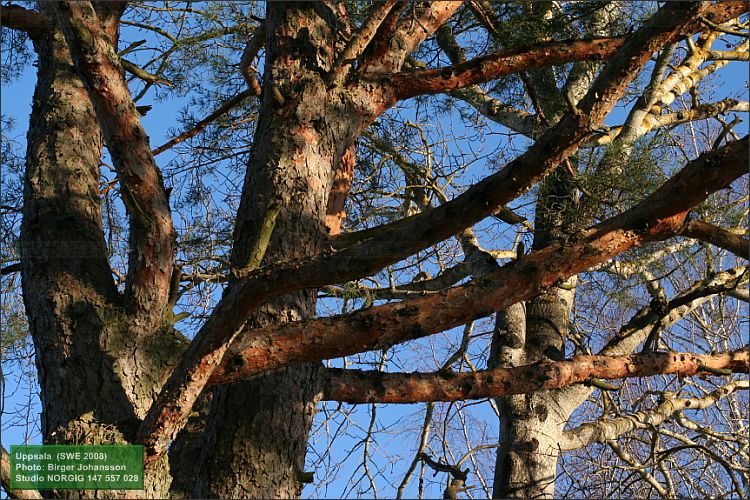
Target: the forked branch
(151, 230)
(660, 216)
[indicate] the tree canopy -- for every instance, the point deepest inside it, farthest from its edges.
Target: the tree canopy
(460, 248)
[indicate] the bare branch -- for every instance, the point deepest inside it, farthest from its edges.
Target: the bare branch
(612, 428)
(517, 120)
(358, 43)
(638, 467)
(252, 48)
(482, 69)
(201, 125)
(651, 122)
(358, 386)
(659, 216)
(719, 237)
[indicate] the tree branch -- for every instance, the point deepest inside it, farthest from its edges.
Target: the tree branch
(515, 119)
(144, 75)
(482, 69)
(201, 125)
(32, 23)
(398, 38)
(719, 237)
(358, 43)
(409, 84)
(252, 48)
(359, 386)
(650, 121)
(151, 230)
(407, 236)
(169, 412)
(10, 268)
(612, 428)
(659, 216)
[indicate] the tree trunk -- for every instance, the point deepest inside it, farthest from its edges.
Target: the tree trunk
(99, 366)
(257, 431)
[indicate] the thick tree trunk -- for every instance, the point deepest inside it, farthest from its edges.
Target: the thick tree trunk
(257, 431)
(98, 366)
(67, 283)
(69, 293)
(531, 425)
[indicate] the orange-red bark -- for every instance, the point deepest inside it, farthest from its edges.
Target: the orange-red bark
(356, 386)
(660, 216)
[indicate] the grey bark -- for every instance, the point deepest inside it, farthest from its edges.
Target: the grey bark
(532, 425)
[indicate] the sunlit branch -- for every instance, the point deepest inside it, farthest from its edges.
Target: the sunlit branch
(659, 216)
(398, 37)
(168, 414)
(253, 46)
(652, 122)
(358, 386)
(612, 428)
(359, 41)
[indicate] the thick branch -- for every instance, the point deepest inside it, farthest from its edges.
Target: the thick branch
(358, 43)
(651, 122)
(405, 237)
(482, 69)
(186, 382)
(659, 216)
(32, 23)
(398, 38)
(151, 231)
(719, 237)
(492, 66)
(358, 386)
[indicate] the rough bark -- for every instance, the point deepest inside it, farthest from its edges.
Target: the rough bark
(68, 289)
(361, 386)
(98, 363)
(256, 435)
(662, 215)
(119, 348)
